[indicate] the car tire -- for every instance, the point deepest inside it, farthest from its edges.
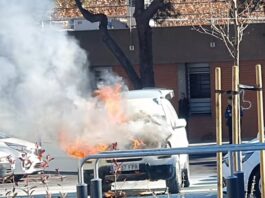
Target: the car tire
(173, 184)
(255, 184)
(18, 177)
(185, 178)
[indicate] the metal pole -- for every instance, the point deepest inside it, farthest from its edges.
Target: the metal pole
(80, 175)
(231, 183)
(218, 121)
(235, 117)
(237, 133)
(240, 184)
(81, 188)
(231, 163)
(96, 184)
(260, 126)
(96, 169)
(81, 191)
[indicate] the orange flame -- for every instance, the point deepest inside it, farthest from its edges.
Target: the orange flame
(111, 97)
(78, 146)
(137, 144)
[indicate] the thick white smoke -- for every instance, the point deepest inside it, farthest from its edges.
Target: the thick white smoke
(44, 85)
(42, 70)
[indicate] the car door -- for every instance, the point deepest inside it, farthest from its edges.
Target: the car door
(179, 134)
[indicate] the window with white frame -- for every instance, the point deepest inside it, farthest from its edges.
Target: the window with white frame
(199, 88)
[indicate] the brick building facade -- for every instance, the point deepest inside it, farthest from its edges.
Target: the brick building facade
(184, 58)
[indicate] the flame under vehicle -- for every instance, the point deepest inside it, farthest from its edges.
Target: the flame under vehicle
(18, 157)
(152, 105)
(251, 169)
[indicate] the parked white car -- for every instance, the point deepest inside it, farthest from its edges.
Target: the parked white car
(6, 161)
(19, 157)
(251, 169)
(174, 169)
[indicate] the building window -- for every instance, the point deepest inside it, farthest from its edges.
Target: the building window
(199, 88)
(99, 75)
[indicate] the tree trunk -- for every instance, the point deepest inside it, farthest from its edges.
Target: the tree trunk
(118, 53)
(146, 55)
(111, 44)
(237, 31)
(142, 17)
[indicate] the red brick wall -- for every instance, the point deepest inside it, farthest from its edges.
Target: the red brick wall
(166, 77)
(201, 128)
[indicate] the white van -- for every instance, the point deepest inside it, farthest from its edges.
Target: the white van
(154, 104)
(25, 157)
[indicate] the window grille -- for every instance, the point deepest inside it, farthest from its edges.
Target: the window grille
(199, 88)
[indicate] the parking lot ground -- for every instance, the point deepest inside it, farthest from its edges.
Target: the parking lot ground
(57, 188)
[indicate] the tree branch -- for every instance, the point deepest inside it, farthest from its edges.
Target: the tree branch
(111, 44)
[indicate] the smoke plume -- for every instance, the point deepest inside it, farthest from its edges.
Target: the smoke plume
(42, 70)
(44, 84)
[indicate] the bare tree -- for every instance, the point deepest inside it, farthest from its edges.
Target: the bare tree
(230, 27)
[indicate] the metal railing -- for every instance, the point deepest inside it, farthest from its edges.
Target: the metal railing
(81, 188)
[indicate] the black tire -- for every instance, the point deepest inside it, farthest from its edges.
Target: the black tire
(255, 184)
(173, 184)
(185, 178)
(106, 187)
(18, 177)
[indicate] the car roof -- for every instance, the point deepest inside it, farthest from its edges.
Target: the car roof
(149, 93)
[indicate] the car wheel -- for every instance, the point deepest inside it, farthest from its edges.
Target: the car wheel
(255, 184)
(173, 184)
(18, 177)
(185, 178)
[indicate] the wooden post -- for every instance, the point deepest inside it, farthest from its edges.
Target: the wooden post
(235, 112)
(218, 121)
(260, 126)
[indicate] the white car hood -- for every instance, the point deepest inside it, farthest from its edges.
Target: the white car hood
(19, 141)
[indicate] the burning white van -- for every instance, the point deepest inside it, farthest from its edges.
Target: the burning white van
(160, 128)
